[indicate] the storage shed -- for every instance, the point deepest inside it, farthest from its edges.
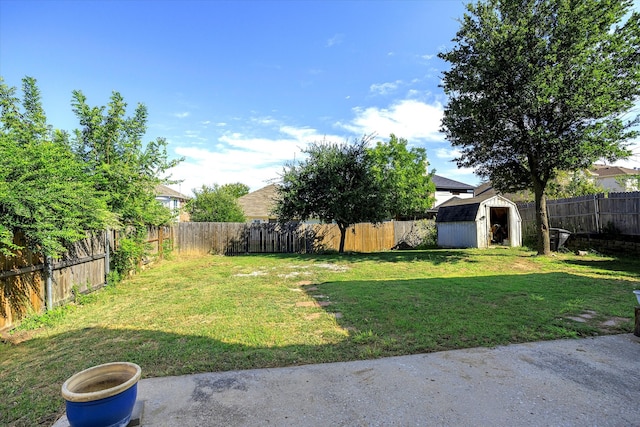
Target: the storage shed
(479, 222)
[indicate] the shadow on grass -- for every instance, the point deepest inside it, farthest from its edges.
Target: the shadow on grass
(625, 265)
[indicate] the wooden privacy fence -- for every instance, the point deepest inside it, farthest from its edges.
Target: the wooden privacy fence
(196, 238)
(615, 212)
(29, 281)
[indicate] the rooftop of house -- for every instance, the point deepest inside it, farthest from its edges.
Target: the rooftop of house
(443, 183)
(258, 204)
(604, 171)
(164, 191)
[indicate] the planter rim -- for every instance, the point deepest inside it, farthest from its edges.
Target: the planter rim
(104, 371)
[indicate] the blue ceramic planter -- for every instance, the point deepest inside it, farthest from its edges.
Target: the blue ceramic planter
(102, 396)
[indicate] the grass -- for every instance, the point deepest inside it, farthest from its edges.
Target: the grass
(218, 313)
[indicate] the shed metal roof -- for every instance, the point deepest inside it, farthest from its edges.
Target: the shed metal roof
(457, 213)
(457, 209)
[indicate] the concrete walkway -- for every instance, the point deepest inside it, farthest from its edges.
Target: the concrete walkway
(585, 382)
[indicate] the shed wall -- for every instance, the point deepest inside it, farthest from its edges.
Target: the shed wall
(515, 225)
(457, 234)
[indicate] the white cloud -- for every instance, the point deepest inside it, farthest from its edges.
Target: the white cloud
(254, 150)
(465, 175)
(181, 115)
(335, 40)
(410, 119)
(447, 153)
(254, 161)
(385, 88)
(633, 162)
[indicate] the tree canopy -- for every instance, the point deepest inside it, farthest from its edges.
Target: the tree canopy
(44, 194)
(124, 170)
(54, 188)
(537, 87)
(335, 183)
(217, 203)
(403, 172)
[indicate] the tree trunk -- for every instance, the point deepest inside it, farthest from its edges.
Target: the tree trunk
(343, 235)
(542, 221)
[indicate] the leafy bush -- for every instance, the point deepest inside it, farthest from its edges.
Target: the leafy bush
(128, 254)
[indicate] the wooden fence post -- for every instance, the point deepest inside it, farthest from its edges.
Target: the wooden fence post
(107, 261)
(160, 241)
(48, 274)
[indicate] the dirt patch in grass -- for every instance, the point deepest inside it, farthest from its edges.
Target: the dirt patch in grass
(313, 304)
(16, 337)
(304, 283)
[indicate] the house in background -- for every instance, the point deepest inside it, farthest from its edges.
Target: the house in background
(257, 205)
(448, 188)
(173, 200)
(486, 189)
(610, 177)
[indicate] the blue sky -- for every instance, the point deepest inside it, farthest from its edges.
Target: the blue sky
(240, 87)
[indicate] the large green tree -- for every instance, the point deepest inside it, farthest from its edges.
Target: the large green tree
(541, 86)
(403, 171)
(123, 169)
(217, 203)
(335, 183)
(45, 196)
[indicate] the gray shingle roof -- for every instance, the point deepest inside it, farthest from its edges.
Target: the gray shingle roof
(164, 191)
(443, 183)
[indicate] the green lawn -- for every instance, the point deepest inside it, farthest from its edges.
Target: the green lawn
(217, 313)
